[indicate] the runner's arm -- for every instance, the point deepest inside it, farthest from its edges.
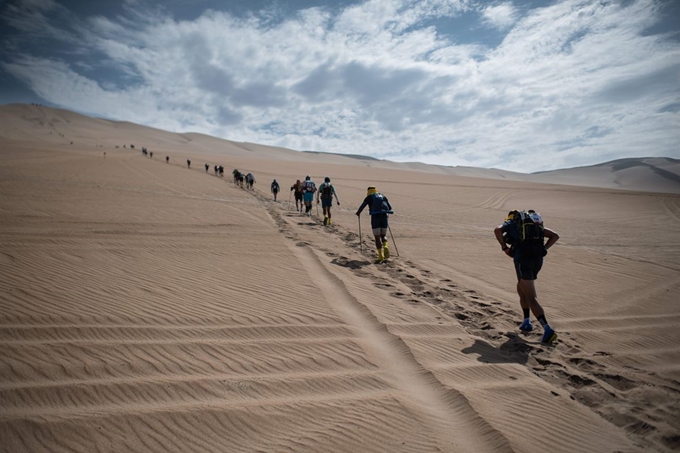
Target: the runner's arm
(552, 237)
(498, 232)
(363, 205)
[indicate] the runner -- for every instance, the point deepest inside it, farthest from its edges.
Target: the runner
(308, 189)
(275, 188)
(326, 192)
(379, 208)
(297, 187)
(524, 231)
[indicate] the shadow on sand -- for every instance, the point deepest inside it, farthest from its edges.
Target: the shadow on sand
(351, 264)
(514, 350)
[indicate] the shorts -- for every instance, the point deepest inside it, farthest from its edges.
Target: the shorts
(298, 196)
(379, 224)
(528, 268)
(326, 202)
(309, 197)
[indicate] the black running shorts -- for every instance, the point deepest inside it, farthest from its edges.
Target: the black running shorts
(528, 268)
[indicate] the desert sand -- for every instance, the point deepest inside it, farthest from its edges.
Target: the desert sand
(146, 306)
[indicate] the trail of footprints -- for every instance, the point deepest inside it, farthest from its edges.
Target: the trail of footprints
(592, 383)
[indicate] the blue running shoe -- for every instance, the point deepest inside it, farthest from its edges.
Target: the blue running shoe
(549, 336)
(526, 326)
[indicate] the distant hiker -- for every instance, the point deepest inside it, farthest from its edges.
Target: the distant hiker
(250, 180)
(275, 188)
(235, 173)
(308, 189)
(220, 169)
(207, 167)
(326, 193)
(167, 159)
(241, 178)
(379, 207)
(150, 154)
(188, 163)
(297, 187)
(217, 170)
(524, 233)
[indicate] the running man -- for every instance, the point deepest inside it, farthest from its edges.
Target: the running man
(379, 208)
(207, 167)
(188, 163)
(308, 189)
(326, 192)
(250, 180)
(524, 231)
(297, 187)
(275, 188)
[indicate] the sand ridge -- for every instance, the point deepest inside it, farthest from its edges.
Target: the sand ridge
(146, 306)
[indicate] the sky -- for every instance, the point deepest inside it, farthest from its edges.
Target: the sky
(521, 85)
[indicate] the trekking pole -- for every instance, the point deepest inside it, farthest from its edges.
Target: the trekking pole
(290, 195)
(393, 241)
(361, 245)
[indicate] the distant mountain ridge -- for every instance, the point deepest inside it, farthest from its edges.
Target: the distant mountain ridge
(36, 123)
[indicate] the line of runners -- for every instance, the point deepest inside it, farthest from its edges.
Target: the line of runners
(521, 236)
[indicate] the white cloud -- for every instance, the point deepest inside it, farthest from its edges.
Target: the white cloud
(501, 16)
(570, 83)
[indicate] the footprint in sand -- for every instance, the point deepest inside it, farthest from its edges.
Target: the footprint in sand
(383, 285)
(617, 381)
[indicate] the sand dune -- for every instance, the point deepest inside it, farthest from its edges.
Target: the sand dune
(22, 122)
(146, 306)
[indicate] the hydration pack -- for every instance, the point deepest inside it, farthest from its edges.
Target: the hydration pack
(308, 186)
(379, 204)
(528, 234)
(326, 190)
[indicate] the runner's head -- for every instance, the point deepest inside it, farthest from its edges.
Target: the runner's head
(371, 190)
(327, 179)
(308, 178)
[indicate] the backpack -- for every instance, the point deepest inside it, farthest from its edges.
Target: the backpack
(327, 191)
(528, 234)
(275, 186)
(308, 186)
(379, 204)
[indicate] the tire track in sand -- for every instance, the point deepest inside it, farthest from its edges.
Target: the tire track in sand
(454, 423)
